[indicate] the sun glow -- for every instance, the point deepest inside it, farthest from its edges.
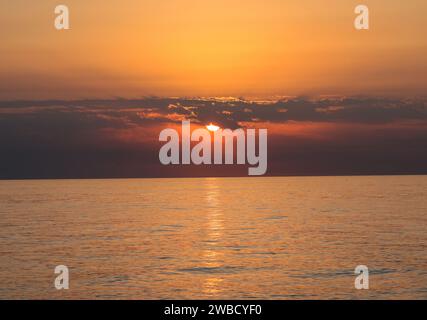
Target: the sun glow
(212, 127)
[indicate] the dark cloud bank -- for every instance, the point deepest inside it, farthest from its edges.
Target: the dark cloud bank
(119, 137)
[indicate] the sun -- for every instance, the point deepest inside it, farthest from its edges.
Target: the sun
(212, 127)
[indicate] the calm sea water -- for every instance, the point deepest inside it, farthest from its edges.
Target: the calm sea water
(215, 238)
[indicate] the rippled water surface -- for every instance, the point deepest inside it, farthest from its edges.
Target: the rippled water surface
(215, 238)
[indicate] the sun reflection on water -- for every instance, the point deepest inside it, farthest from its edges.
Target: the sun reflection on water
(212, 255)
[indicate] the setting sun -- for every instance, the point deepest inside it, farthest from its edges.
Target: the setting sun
(212, 127)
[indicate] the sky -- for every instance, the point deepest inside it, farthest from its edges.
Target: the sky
(91, 101)
(131, 48)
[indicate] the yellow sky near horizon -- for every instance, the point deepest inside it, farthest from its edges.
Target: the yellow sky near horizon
(131, 48)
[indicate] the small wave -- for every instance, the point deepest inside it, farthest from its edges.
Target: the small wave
(276, 217)
(210, 270)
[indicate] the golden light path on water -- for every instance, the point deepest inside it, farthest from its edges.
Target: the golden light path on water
(213, 256)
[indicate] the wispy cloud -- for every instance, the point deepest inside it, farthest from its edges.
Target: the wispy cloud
(226, 111)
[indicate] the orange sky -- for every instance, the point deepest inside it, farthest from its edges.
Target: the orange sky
(247, 48)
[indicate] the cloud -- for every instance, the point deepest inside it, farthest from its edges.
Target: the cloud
(225, 111)
(119, 137)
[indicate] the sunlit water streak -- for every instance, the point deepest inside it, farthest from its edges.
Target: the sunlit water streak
(215, 238)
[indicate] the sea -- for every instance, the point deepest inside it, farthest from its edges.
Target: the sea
(215, 238)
